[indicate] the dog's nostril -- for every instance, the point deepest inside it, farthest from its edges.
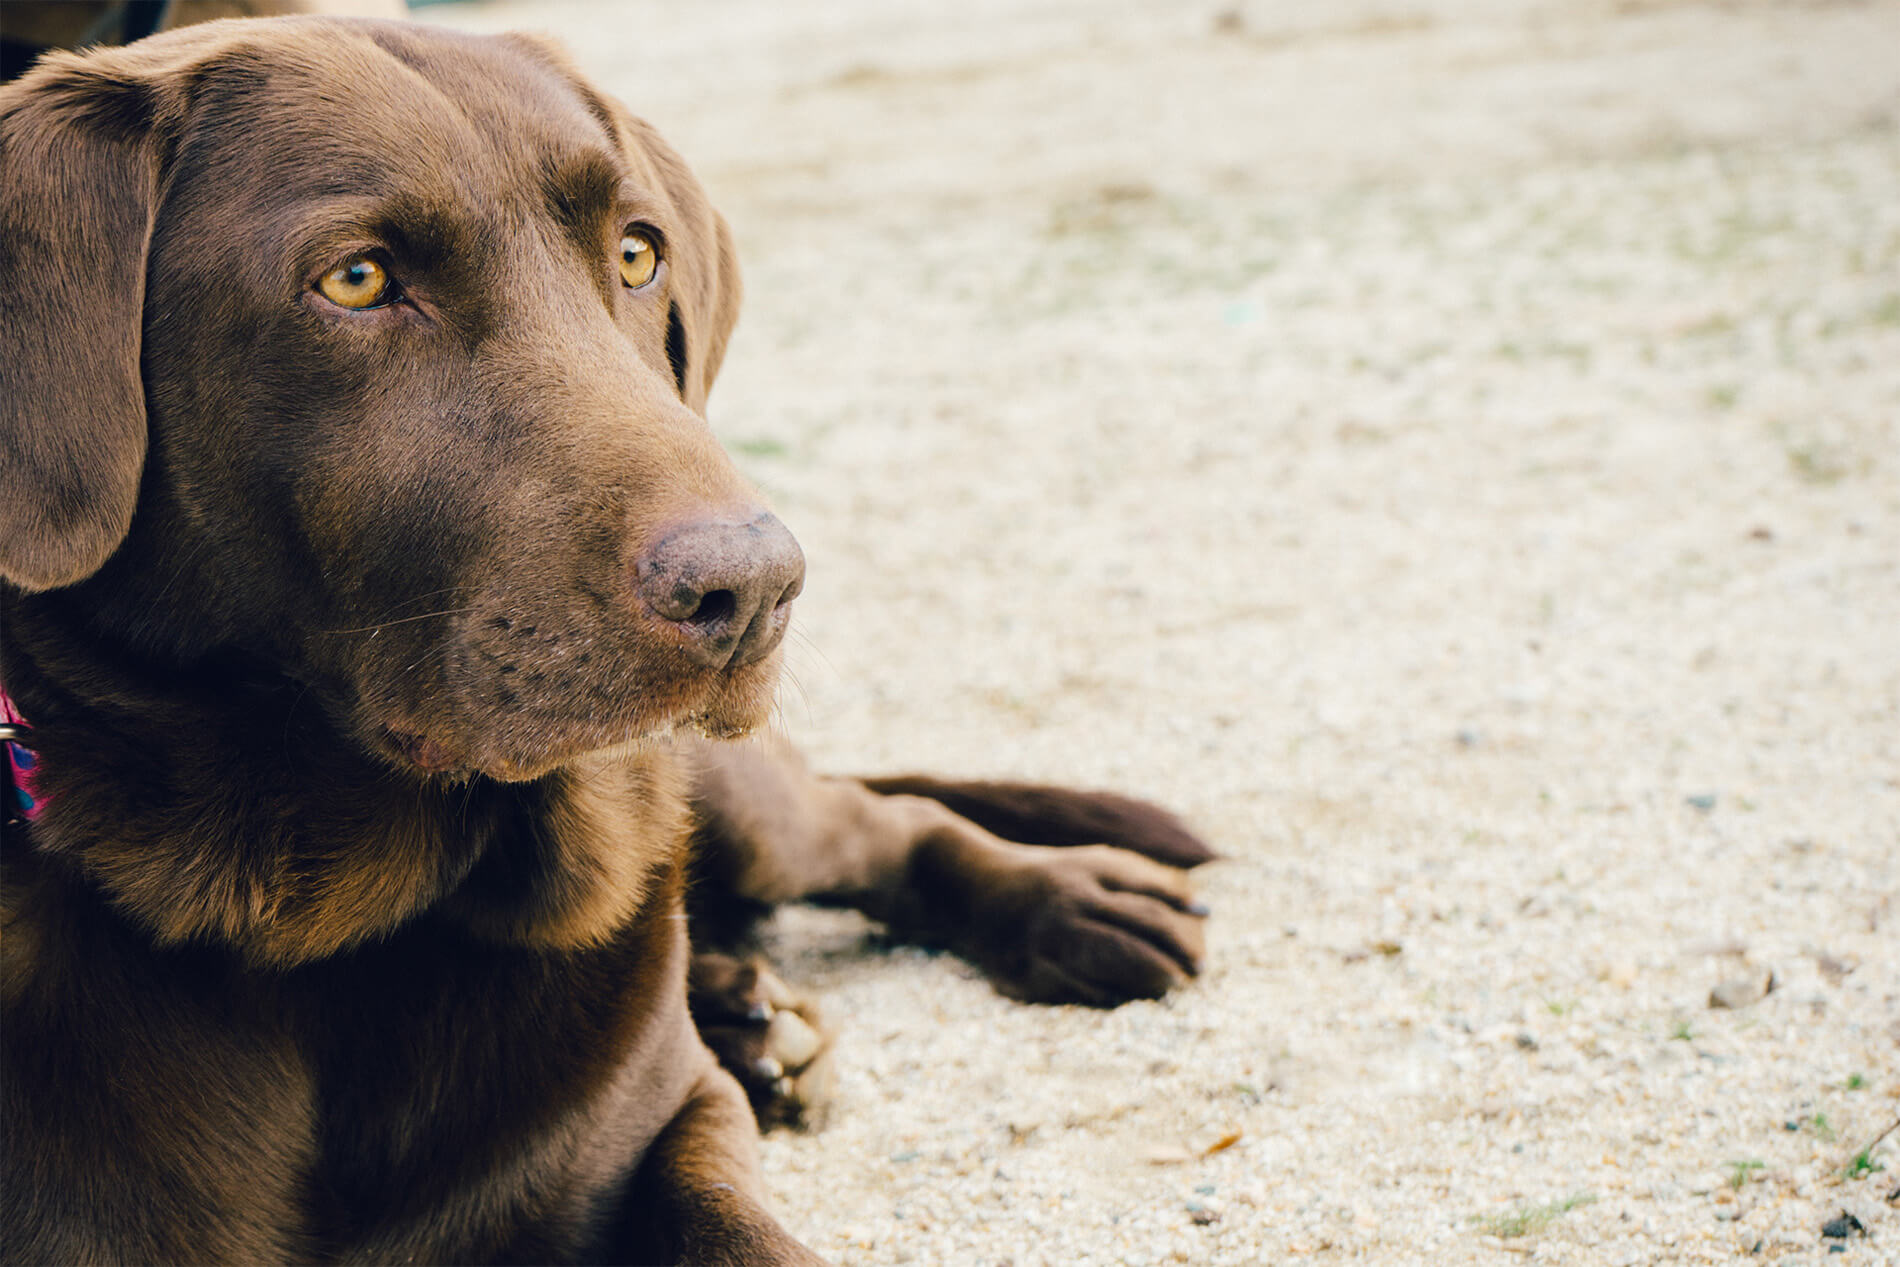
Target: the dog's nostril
(713, 608)
(723, 584)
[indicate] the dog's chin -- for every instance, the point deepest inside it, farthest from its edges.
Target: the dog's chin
(740, 704)
(518, 756)
(522, 749)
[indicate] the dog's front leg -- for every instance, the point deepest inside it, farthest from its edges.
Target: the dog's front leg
(698, 1199)
(1061, 924)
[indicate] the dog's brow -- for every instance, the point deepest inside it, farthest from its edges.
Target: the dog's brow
(581, 188)
(419, 233)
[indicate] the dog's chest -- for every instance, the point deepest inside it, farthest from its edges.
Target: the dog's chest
(505, 1092)
(433, 1096)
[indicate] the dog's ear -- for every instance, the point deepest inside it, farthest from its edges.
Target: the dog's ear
(705, 285)
(80, 158)
(701, 262)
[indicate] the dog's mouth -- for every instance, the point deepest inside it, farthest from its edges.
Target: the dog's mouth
(469, 735)
(501, 761)
(526, 678)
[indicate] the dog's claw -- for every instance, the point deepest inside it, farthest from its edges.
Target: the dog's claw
(766, 1036)
(793, 1041)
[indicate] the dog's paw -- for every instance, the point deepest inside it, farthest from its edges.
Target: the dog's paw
(768, 1037)
(1090, 924)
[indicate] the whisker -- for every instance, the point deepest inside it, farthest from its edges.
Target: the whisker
(804, 697)
(401, 620)
(807, 641)
(417, 598)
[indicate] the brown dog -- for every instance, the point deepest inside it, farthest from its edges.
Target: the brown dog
(364, 556)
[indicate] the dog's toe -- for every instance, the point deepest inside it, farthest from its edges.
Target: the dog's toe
(767, 1036)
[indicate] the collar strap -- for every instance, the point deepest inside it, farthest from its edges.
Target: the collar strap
(18, 804)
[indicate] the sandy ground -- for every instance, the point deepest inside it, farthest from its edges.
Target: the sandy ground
(1452, 452)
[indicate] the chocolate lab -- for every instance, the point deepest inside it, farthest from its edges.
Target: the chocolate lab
(376, 594)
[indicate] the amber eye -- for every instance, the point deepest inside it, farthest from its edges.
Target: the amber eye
(361, 283)
(638, 260)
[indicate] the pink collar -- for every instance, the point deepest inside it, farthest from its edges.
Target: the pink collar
(17, 801)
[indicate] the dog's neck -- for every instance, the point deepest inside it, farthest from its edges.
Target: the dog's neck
(216, 803)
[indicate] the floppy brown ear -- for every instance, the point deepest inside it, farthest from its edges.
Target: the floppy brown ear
(701, 263)
(79, 173)
(707, 302)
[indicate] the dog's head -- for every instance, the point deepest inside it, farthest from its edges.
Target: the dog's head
(380, 354)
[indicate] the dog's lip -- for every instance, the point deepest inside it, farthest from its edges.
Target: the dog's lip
(431, 755)
(425, 753)
(520, 745)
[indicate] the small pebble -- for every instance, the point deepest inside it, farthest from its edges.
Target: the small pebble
(1842, 1226)
(1739, 992)
(1704, 801)
(1833, 969)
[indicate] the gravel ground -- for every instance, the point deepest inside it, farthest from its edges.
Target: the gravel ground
(1452, 452)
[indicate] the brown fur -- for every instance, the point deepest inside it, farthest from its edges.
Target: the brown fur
(1036, 814)
(355, 925)
(1098, 924)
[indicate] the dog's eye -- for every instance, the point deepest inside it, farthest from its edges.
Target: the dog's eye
(638, 260)
(361, 283)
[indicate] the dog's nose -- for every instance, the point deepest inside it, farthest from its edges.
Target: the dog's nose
(729, 586)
